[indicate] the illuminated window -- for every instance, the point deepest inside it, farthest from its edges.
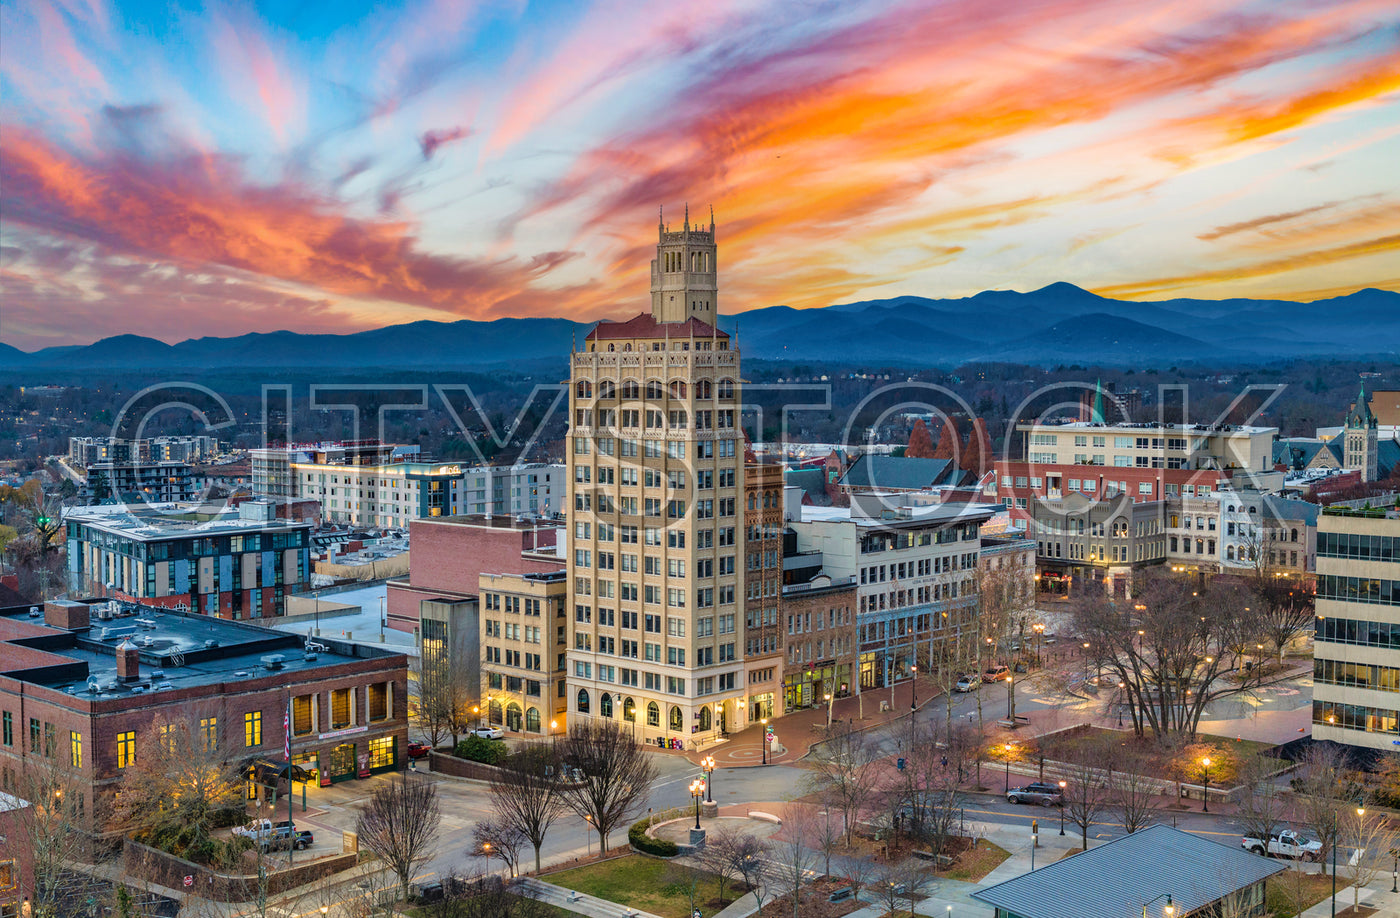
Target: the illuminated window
(126, 749)
(381, 752)
(75, 749)
(209, 732)
(302, 721)
(252, 728)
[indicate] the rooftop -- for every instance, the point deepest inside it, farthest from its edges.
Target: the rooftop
(1193, 429)
(178, 520)
(896, 515)
(644, 325)
(177, 650)
(1116, 879)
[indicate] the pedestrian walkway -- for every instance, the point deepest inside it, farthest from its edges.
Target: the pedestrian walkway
(799, 731)
(573, 901)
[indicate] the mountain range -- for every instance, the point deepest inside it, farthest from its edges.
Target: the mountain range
(1057, 324)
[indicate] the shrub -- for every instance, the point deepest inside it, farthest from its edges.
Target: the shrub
(659, 847)
(480, 749)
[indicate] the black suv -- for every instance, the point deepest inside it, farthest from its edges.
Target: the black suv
(1044, 794)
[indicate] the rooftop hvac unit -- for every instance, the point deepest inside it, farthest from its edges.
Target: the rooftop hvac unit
(273, 661)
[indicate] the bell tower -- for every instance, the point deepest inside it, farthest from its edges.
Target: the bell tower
(1361, 448)
(683, 276)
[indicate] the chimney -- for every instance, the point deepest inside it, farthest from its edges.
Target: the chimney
(128, 661)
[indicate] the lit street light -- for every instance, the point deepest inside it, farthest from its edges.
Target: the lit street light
(1205, 784)
(707, 765)
(697, 788)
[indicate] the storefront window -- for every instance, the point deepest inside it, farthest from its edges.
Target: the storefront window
(381, 752)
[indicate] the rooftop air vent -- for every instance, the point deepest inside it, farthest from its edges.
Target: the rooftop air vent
(273, 661)
(157, 674)
(211, 643)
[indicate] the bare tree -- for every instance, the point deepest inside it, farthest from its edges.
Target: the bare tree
(502, 840)
(1323, 795)
(893, 882)
(182, 775)
(617, 774)
(54, 828)
(685, 874)
(446, 698)
(844, 766)
(751, 861)
(400, 825)
(1262, 803)
(525, 794)
(1085, 796)
(1131, 793)
(795, 859)
(1372, 838)
(1006, 605)
(1281, 597)
(723, 849)
(830, 833)
(1172, 654)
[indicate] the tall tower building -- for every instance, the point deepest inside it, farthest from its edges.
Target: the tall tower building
(1361, 444)
(683, 275)
(656, 533)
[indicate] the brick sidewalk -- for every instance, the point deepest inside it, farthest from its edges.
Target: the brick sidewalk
(799, 730)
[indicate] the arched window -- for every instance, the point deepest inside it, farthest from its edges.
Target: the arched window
(654, 389)
(753, 501)
(606, 389)
(705, 718)
(532, 720)
(605, 705)
(584, 389)
(677, 720)
(703, 389)
(493, 712)
(1293, 535)
(726, 390)
(612, 347)
(1229, 553)
(629, 710)
(583, 701)
(653, 714)
(513, 717)
(678, 388)
(631, 389)
(627, 347)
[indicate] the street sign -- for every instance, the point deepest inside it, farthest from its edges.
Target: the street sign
(189, 880)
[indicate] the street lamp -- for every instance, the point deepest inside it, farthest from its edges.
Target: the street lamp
(1205, 784)
(1395, 870)
(697, 787)
(827, 698)
(476, 712)
(1007, 749)
(764, 742)
(1062, 808)
(1169, 909)
(1010, 698)
(707, 765)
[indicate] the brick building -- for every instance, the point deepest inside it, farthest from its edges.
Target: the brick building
(821, 647)
(235, 563)
(763, 586)
(83, 686)
(451, 553)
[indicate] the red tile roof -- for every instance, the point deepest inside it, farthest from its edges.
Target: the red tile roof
(643, 325)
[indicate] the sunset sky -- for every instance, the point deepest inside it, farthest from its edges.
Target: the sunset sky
(175, 170)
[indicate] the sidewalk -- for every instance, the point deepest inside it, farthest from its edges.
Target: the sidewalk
(799, 731)
(578, 902)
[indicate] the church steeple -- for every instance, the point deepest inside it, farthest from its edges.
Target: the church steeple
(1360, 444)
(683, 276)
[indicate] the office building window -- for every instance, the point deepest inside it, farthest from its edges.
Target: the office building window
(209, 732)
(126, 749)
(252, 729)
(75, 749)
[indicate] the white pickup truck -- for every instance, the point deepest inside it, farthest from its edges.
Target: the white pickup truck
(1286, 843)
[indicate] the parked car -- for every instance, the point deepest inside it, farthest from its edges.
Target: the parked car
(968, 683)
(995, 674)
(489, 733)
(260, 828)
(419, 750)
(282, 838)
(1044, 794)
(1286, 843)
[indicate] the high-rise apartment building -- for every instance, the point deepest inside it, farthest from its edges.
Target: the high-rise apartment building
(656, 535)
(1356, 649)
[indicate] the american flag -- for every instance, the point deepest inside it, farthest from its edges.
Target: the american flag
(287, 732)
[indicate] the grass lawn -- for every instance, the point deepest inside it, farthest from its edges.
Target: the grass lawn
(647, 884)
(542, 909)
(976, 863)
(1157, 758)
(1290, 893)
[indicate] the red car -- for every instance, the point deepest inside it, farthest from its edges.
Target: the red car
(419, 750)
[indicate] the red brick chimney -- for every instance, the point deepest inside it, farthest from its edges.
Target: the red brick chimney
(128, 661)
